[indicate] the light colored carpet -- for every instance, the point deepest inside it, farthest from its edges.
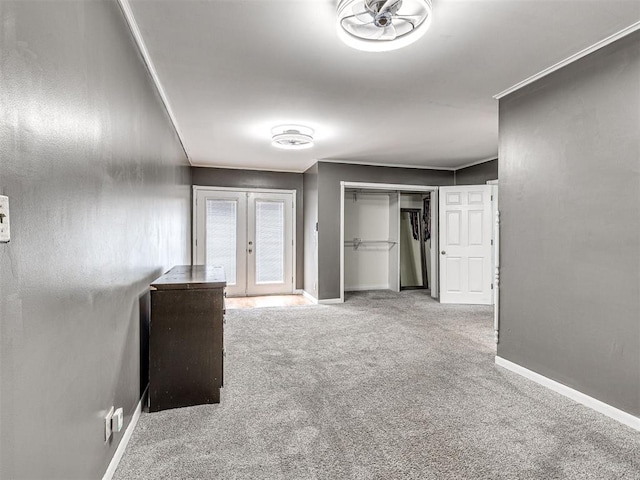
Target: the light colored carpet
(385, 386)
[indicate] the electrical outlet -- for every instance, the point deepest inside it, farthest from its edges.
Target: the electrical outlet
(5, 231)
(118, 420)
(107, 425)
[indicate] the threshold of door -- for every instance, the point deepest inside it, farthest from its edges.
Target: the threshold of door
(266, 301)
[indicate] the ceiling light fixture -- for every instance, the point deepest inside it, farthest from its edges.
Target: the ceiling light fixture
(382, 25)
(292, 137)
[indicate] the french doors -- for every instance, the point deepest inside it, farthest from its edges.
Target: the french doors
(249, 233)
(465, 245)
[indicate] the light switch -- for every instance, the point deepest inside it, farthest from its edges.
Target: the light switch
(5, 232)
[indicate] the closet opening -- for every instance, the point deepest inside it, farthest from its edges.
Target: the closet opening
(385, 241)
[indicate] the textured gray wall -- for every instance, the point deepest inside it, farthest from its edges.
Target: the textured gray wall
(310, 240)
(570, 218)
(99, 192)
(478, 174)
(329, 177)
(229, 177)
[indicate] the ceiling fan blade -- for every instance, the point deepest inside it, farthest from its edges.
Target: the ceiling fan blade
(360, 19)
(407, 17)
(388, 4)
(388, 33)
(359, 8)
(409, 22)
(359, 13)
(368, 30)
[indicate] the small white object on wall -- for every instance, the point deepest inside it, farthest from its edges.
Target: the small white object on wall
(118, 420)
(108, 425)
(5, 230)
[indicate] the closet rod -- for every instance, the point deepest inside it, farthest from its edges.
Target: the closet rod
(356, 242)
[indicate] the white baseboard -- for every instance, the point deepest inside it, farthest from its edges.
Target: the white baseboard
(122, 446)
(309, 297)
(604, 408)
(364, 288)
(330, 301)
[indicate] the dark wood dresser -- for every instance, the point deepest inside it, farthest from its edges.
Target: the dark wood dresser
(186, 337)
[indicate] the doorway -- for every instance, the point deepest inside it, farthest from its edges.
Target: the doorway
(377, 244)
(251, 234)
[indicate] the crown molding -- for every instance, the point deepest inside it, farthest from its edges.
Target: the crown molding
(137, 35)
(577, 56)
(477, 162)
(253, 169)
(392, 165)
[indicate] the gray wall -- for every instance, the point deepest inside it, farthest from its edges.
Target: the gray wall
(228, 177)
(99, 192)
(329, 177)
(310, 238)
(570, 217)
(477, 174)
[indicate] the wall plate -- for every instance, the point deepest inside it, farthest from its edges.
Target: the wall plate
(107, 425)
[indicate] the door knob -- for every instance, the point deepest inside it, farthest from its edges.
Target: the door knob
(443, 252)
(250, 243)
(250, 250)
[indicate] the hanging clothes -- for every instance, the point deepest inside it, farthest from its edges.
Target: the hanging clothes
(426, 216)
(415, 225)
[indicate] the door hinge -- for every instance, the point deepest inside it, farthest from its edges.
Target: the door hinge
(492, 198)
(492, 286)
(492, 241)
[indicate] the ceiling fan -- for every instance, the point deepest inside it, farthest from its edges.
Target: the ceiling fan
(382, 25)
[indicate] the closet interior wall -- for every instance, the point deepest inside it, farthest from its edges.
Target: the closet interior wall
(371, 229)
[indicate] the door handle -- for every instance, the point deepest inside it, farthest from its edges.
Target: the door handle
(443, 252)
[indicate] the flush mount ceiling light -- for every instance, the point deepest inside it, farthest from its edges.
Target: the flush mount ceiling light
(292, 137)
(382, 25)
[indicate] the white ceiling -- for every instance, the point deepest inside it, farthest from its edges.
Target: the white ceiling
(233, 69)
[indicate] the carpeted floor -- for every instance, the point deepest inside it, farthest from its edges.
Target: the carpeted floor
(385, 386)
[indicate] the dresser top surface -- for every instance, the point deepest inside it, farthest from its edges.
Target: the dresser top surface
(191, 276)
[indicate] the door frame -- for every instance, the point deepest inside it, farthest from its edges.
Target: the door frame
(194, 224)
(495, 208)
(391, 188)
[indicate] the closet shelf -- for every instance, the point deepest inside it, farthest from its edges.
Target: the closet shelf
(356, 242)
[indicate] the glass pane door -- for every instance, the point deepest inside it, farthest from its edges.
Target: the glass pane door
(270, 263)
(250, 234)
(270, 237)
(221, 238)
(221, 232)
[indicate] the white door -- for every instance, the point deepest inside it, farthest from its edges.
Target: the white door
(270, 243)
(465, 244)
(250, 234)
